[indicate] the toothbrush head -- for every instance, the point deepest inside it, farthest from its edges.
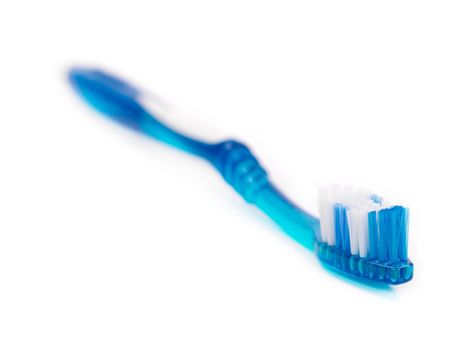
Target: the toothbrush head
(364, 236)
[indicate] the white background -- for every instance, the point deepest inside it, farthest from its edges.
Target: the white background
(109, 240)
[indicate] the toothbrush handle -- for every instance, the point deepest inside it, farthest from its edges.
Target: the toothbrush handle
(232, 159)
(235, 162)
(153, 127)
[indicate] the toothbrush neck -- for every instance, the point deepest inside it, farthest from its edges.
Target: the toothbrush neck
(240, 168)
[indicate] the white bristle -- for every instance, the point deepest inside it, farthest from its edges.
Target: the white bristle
(327, 198)
(363, 234)
(322, 207)
(331, 232)
(357, 203)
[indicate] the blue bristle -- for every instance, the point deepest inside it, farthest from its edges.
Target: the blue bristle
(387, 235)
(345, 232)
(399, 229)
(394, 237)
(399, 225)
(337, 225)
(372, 235)
(392, 245)
(341, 228)
(383, 238)
(403, 239)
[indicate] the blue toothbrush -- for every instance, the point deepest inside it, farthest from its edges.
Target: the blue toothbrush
(360, 234)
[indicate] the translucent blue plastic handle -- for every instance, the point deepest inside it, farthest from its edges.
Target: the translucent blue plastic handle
(235, 162)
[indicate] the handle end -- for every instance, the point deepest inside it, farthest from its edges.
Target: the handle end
(109, 95)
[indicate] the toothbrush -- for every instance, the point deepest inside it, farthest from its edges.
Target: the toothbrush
(359, 234)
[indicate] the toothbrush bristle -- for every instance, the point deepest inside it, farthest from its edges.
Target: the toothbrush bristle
(364, 235)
